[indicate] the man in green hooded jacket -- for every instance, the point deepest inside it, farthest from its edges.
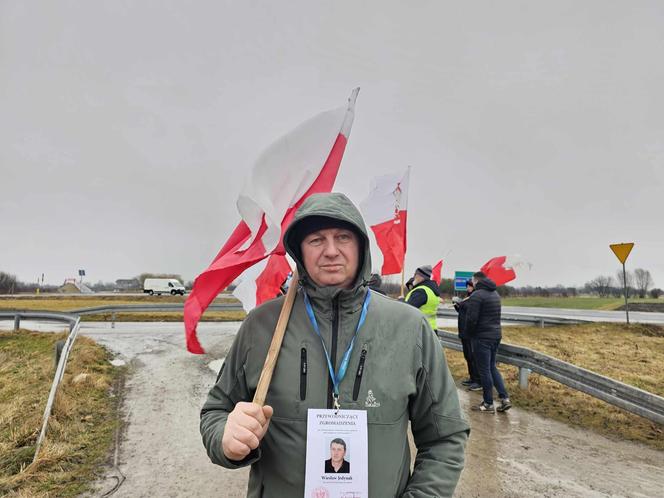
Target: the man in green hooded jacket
(397, 372)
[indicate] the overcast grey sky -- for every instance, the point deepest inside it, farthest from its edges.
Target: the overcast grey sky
(532, 128)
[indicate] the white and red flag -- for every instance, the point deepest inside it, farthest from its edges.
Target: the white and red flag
(436, 272)
(385, 210)
(303, 162)
(499, 270)
(262, 281)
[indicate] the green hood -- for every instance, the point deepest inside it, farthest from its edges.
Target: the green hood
(339, 207)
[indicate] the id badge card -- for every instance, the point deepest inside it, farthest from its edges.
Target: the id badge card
(337, 463)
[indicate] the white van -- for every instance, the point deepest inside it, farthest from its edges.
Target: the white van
(161, 286)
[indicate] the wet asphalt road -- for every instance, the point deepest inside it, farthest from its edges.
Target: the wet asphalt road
(590, 315)
(516, 454)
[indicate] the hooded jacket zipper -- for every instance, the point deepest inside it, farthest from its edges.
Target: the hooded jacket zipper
(303, 374)
(358, 375)
(335, 337)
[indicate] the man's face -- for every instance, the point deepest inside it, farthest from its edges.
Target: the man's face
(417, 279)
(331, 257)
(474, 280)
(337, 452)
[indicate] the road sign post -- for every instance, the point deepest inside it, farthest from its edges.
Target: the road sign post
(622, 252)
(625, 293)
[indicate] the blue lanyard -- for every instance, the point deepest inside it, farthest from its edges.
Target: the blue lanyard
(338, 377)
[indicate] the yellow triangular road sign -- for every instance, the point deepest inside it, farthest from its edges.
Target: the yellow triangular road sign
(622, 250)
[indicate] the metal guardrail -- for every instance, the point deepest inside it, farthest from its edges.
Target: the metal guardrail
(72, 315)
(165, 307)
(158, 307)
(230, 306)
(540, 320)
(622, 395)
(54, 316)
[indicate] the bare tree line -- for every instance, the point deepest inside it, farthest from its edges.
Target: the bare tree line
(638, 283)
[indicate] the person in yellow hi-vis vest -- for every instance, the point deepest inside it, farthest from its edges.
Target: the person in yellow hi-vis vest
(425, 294)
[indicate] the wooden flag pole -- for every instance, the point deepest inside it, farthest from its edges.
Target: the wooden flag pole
(275, 345)
(403, 272)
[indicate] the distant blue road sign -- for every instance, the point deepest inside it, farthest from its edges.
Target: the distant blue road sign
(460, 280)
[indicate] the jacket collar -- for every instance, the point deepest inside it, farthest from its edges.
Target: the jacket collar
(323, 299)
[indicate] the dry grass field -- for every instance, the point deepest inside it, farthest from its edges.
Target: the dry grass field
(580, 303)
(633, 355)
(82, 425)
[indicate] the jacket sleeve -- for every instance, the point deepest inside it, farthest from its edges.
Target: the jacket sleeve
(439, 428)
(473, 305)
(230, 388)
(418, 298)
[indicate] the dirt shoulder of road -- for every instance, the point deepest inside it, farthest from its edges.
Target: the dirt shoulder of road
(66, 303)
(650, 307)
(84, 300)
(61, 302)
(82, 424)
(633, 355)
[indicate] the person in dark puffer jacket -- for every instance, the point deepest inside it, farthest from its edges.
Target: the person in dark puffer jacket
(483, 327)
(473, 380)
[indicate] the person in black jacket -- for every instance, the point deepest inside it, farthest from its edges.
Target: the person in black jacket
(483, 327)
(473, 380)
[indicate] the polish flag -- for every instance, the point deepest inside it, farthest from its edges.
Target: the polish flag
(262, 281)
(385, 211)
(303, 162)
(436, 272)
(499, 270)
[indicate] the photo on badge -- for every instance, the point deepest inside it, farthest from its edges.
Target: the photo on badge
(339, 456)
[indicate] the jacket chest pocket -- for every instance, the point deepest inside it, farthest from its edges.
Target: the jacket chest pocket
(292, 388)
(360, 373)
(304, 367)
(379, 387)
(304, 386)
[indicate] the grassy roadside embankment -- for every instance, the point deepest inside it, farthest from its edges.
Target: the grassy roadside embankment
(577, 303)
(65, 303)
(633, 355)
(82, 424)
